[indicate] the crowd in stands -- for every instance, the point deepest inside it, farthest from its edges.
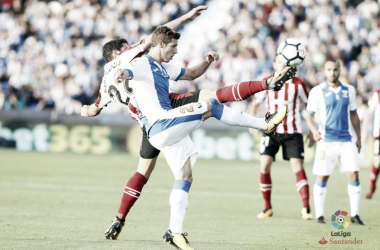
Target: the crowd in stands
(51, 51)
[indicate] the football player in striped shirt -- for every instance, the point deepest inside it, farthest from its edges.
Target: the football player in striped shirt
(289, 136)
(335, 102)
(373, 109)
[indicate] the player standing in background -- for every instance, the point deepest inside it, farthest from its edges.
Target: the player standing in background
(373, 108)
(335, 103)
(289, 136)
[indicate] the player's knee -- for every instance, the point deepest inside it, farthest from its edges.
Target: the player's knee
(216, 108)
(353, 176)
(206, 94)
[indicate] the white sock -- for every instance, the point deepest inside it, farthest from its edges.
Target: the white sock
(354, 192)
(320, 191)
(235, 117)
(178, 203)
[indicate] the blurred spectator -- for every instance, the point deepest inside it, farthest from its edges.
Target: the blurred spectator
(51, 51)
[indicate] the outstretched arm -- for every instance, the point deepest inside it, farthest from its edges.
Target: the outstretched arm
(176, 23)
(90, 111)
(198, 70)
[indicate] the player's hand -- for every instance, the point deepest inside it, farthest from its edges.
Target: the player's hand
(310, 138)
(84, 111)
(317, 136)
(120, 75)
(253, 131)
(212, 56)
(359, 145)
(195, 12)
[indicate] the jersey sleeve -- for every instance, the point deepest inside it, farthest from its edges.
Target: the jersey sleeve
(373, 101)
(174, 72)
(132, 52)
(352, 95)
(137, 69)
(312, 104)
(103, 97)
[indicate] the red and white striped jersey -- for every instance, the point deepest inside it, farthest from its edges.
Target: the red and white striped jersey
(110, 91)
(292, 93)
(374, 106)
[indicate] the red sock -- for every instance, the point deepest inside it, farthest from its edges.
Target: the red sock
(266, 188)
(303, 187)
(131, 194)
(373, 177)
(241, 91)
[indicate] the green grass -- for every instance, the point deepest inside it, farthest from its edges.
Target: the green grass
(66, 201)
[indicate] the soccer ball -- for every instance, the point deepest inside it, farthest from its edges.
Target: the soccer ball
(291, 52)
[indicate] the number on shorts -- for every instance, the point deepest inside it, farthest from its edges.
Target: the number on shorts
(376, 147)
(264, 143)
(188, 109)
(322, 155)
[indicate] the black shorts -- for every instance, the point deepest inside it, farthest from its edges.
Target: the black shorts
(147, 151)
(376, 146)
(292, 145)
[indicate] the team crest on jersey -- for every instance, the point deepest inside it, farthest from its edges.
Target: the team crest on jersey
(133, 63)
(345, 93)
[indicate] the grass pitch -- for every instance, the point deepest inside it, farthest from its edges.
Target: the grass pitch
(66, 201)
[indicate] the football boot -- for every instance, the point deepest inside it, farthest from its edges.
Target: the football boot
(268, 212)
(274, 120)
(114, 230)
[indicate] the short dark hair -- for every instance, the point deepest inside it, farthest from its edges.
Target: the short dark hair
(115, 44)
(330, 59)
(164, 34)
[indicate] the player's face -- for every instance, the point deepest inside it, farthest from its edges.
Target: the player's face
(332, 71)
(115, 52)
(169, 50)
(277, 65)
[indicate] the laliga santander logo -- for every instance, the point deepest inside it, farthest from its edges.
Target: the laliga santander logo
(340, 220)
(323, 241)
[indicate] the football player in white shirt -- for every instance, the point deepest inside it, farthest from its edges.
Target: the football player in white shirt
(335, 102)
(117, 51)
(373, 109)
(168, 129)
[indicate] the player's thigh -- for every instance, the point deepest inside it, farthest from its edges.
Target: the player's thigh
(147, 151)
(269, 145)
(326, 157)
(177, 100)
(349, 157)
(292, 146)
(178, 153)
(176, 124)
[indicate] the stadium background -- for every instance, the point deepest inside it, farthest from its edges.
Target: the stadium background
(51, 64)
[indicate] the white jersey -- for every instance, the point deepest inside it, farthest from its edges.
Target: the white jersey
(292, 94)
(374, 106)
(150, 82)
(334, 106)
(111, 91)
